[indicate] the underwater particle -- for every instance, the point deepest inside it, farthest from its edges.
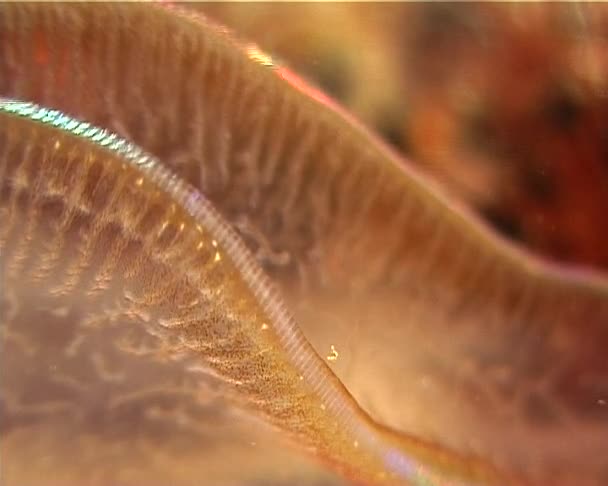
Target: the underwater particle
(333, 354)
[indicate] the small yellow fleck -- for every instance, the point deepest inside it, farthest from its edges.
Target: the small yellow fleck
(182, 226)
(356, 444)
(217, 257)
(253, 444)
(199, 228)
(200, 245)
(214, 243)
(139, 181)
(264, 326)
(333, 356)
(322, 406)
(163, 227)
(57, 144)
(301, 378)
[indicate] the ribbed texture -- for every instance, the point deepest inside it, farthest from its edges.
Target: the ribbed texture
(88, 224)
(510, 341)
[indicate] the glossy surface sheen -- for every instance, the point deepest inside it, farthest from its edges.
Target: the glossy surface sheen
(127, 331)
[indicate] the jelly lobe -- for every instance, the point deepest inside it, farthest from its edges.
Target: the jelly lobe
(89, 243)
(174, 260)
(501, 349)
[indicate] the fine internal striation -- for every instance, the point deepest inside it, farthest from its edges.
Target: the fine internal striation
(96, 232)
(444, 331)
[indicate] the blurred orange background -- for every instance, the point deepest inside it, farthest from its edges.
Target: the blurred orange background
(505, 104)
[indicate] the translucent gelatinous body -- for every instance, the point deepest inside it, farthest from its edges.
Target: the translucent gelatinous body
(445, 332)
(120, 228)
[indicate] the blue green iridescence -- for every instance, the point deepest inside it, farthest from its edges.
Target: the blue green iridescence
(193, 200)
(85, 130)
